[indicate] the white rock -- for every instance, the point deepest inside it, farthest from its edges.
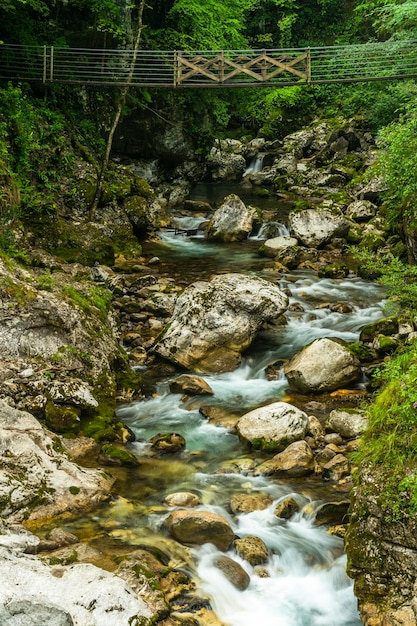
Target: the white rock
(34, 594)
(322, 366)
(213, 322)
(316, 227)
(274, 426)
(37, 480)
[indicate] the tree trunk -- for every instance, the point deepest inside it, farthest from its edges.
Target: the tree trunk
(117, 116)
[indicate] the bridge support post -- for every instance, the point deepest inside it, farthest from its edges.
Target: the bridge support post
(44, 65)
(308, 66)
(176, 69)
(51, 66)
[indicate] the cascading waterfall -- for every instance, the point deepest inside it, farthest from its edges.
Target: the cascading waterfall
(255, 165)
(303, 582)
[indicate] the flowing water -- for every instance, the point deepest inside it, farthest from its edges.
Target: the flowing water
(304, 581)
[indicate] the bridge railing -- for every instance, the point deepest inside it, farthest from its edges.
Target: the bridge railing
(212, 68)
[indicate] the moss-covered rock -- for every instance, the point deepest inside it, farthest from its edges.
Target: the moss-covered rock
(334, 270)
(62, 418)
(84, 243)
(112, 454)
(386, 326)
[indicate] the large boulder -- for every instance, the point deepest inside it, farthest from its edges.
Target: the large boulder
(316, 227)
(324, 365)
(213, 322)
(199, 527)
(233, 220)
(36, 479)
(273, 427)
(226, 162)
(296, 460)
(33, 593)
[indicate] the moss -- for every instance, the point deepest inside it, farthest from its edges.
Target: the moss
(74, 490)
(94, 300)
(259, 443)
(387, 345)
(13, 290)
(101, 428)
(261, 192)
(62, 418)
(128, 379)
(141, 187)
(334, 270)
(371, 241)
(386, 326)
(64, 560)
(118, 454)
(84, 243)
(364, 353)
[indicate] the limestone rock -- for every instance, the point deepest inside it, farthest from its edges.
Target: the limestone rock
(286, 508)
(324, 365)
(213, 322)
(36, 479)
(381, 543)
(141, 571)
(296, 460)
(75, 392)
(337, 467)
(273, 427)
(167, 443)
(199, 527)
(349, 424)
(252, 549)
(32, 593)
(361, 210)
(225, 164)
(333, 513)
(232, 221)
(316, 227)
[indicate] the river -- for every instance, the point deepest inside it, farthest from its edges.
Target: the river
(304, 581)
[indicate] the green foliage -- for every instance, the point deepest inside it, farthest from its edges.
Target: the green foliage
(399, 277)
(95, 301)
(398, 164)
(391, 436)
(397, 19)
(208, 25)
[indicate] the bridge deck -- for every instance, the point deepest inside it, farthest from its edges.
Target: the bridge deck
(212, 68)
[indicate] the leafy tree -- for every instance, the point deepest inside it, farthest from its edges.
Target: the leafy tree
(210, 24)
(396, 20)
(398, 164)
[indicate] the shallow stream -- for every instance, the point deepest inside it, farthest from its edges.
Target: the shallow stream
(304, 581)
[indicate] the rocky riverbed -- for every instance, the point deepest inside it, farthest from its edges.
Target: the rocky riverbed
(70, 334)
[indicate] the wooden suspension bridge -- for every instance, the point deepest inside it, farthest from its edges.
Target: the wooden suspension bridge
(219, 68)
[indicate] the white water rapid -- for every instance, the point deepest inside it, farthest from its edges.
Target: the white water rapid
(303, 582)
